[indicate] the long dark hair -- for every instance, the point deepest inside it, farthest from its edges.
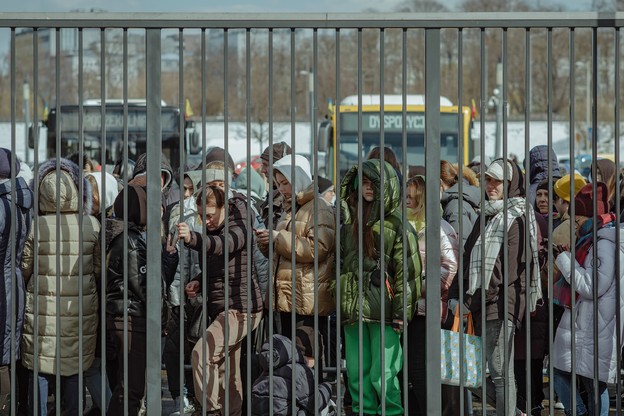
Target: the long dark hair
(368, 238)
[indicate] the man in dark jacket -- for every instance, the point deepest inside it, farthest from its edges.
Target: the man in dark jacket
(11, 241)
(170, 191)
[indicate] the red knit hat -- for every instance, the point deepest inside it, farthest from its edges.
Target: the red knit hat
(584, 200)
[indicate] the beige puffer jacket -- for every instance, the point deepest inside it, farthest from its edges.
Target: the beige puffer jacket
(305, 255)
(67, 276)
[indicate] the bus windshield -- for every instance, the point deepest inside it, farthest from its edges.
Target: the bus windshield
(393, 137)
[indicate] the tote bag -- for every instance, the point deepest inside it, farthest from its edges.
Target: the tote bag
(450, 357)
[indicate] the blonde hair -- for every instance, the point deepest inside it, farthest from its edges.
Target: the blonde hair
(416, 189)
(96, 195)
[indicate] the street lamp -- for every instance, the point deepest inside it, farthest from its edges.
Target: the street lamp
(310, 108)
(587, 67)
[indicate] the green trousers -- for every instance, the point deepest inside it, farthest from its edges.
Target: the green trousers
(370, 384)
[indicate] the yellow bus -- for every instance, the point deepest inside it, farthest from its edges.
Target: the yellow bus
(347, 115)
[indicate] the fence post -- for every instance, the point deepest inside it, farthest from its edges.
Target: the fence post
(432, 189)
(154, 294)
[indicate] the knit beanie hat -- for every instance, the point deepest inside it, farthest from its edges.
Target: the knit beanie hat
(584, 200)
(279, 150)
(137, 205)
(5, 164)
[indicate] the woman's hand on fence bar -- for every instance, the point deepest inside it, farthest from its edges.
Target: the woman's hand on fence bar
(184, 232)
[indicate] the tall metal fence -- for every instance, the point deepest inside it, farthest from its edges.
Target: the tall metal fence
(96, 86)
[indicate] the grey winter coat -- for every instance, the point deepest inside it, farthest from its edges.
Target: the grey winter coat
(469, 209)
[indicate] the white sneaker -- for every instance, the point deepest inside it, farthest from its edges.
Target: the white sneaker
(559, 406)
(188, 409)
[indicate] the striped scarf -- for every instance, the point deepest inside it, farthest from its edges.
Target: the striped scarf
(493, 237)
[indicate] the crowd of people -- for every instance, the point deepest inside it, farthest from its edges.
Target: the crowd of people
(235, 248)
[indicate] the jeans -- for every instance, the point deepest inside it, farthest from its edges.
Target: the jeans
(563, 387)
(500, 362)
(93, 381)
(46, 382)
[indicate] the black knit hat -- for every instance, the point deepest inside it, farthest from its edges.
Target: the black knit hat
(137, 205)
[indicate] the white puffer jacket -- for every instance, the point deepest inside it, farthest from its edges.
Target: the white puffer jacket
(584, 311)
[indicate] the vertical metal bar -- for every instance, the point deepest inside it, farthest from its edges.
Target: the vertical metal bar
(181, 249)
(527, 225)
(249, 219)
(360, 231)
(125, 342)
(572, 245)
(203, 168)
(618, 219)
(460, 218)
(432, 214)
(482, 215)
(595, 214)
(81, 191)
(13, 231)
(59, 101)
(270, 287)
(35, 223)
(505, 249)
(337, 184)
(293, 257)
(226, 262)
(404, 241)
(154, 151)
(314, 156)
(382, 215)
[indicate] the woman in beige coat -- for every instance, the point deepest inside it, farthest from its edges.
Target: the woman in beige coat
(310, 243)
(60, 281)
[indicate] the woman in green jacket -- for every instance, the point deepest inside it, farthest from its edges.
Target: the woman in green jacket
(395, 284)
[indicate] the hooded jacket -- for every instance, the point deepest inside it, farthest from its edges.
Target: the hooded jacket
(169, 194)
(516, 266)
(584, 310)
(469, 209)
(22, 211)
(282, 394)
(66, 274)
(215, 245)
(399, 279)
(538, 159)
(310, 243)
(112, 189)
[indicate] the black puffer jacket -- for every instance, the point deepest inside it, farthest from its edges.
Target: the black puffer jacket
(137, 269)
(237, 263)
(282, 383)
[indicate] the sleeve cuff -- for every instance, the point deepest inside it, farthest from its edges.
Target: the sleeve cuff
(563, 262)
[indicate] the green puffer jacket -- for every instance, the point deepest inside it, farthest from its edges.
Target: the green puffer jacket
(400, 279)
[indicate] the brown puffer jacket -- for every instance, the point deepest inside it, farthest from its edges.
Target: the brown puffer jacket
(237, 263)
(304, 257)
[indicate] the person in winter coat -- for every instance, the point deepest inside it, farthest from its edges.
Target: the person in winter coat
(310, 243)
(241, 297)
(394, 279)
(136, 291)
(561, 232)
(188, 267)
(606, 172)
(60, 281)
(539, 168)
(583, 316)
(12, 284)
(170, 191)
(280, 357)
(280, 150)
(500, 356)
(449, 250)
(449, 198)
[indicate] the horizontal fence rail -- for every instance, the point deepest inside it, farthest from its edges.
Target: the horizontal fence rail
(328, 214)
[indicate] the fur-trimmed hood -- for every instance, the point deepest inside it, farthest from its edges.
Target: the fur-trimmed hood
(65, 196)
